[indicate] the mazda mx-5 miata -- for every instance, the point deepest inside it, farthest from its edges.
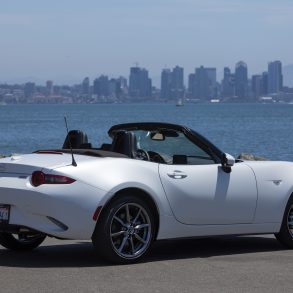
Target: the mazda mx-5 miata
(153, 181)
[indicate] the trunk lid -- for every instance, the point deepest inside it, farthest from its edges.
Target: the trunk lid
(26, 164)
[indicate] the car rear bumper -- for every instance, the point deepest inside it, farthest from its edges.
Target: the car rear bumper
(63, 211)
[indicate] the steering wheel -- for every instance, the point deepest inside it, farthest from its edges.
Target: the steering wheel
(142, 155)
(156, 157)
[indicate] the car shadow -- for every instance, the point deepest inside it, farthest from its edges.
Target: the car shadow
(82, 254)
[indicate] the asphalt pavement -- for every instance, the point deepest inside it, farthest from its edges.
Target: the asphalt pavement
(221, 264)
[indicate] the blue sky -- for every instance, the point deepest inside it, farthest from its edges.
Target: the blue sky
(68, 40)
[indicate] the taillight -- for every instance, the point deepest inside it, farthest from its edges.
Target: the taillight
(40, 178)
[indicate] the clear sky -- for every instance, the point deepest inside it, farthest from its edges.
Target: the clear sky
(66, 40)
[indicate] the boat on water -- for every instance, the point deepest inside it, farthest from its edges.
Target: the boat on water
(179, 103)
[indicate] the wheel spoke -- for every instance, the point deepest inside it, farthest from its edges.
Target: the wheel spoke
(141, 226)
(120, 221)
(123, 244)
(132, 245)
(136, 217)
(139, 238)
(117, 233)
(127, 213)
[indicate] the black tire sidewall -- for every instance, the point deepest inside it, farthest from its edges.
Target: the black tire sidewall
(8, 241)
(284, 235)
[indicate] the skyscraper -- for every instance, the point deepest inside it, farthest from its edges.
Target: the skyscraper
(202, 84)
(228, 84)
(264, 81)
(177, 82)
(192, 86)
(29, 89)
(275, 77)
(212, 77)
(166, 83)
(101, 86)
(241, 80)
(256, 86)
(86, 86)
(49, 88)
(172, 83)
(140, 85)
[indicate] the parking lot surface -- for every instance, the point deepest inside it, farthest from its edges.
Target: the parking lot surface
(221, 264)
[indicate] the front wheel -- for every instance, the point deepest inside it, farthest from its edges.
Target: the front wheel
(125, 230)
(285, 236)
(21, 241)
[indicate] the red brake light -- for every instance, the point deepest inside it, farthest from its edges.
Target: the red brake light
(40, 178)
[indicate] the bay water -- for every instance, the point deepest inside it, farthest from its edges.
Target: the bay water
(260, 129)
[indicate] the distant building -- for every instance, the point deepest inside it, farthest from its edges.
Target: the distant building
(121, 87)
(241, 80)
(172, 83)
(256, 86)
(86, 86)
(228, 84)
(203, 85)
(177, 83)
(29, 89)
(166, 83)
(264, 82)
(49, 88)
(275, 77)
(101, 86)
(212, 77)
(140, 85)
(191, 86)
(112, 87)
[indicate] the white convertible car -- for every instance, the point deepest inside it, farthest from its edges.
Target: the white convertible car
(154, 181)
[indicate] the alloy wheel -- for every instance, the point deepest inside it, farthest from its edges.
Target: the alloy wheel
(130, 231)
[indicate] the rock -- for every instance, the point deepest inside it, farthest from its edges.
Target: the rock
(250, 157)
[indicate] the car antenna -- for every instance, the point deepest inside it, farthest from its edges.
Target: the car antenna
(69, 140)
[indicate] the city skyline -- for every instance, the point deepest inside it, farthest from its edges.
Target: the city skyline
(67, 40)
(156, 78)
(218, 75)
(202, 85)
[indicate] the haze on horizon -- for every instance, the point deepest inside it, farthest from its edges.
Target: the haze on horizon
(68, 40)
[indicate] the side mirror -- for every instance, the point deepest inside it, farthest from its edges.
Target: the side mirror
(229, 160)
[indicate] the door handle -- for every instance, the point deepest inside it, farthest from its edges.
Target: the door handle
(177, 174)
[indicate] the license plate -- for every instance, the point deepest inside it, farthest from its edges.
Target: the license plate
(4, 213)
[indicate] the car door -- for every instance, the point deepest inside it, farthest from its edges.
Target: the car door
(206, 195)
(199, 191)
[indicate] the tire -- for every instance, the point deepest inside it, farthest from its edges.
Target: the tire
(21, 242)
(285, 236)
(124, 231)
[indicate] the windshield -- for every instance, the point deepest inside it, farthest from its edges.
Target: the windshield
(169, 144)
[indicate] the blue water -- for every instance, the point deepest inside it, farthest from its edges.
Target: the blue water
(261, 129)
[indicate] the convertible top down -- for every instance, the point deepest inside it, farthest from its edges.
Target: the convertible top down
(153, 181)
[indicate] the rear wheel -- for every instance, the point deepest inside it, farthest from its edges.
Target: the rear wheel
(125, 230)
(21, 241)
(285, 236)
